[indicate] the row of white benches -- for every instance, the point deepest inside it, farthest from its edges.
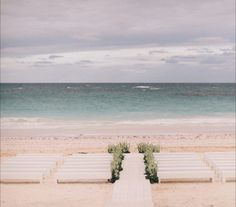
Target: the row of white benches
(195, 167)
(28, 168)
(224, 165)
(85, 168)
(34, 168)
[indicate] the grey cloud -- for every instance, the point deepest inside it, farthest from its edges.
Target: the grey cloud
(212, 60)
(170, 60)
(202, 59)
(84, 63)
(78, 63)
(51, 27)
(226, 58)
(152, 52)
(55, 56)
(42, 63)
(77, 24)
(177, 59)
(228, 53)
(226, 50)
(201, 50)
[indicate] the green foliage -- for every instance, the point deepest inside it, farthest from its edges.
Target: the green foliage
(156, 148)
(116, 164)
(123, 146)
(149, 160)
(111, 148)
(150, 166)
(143, 147)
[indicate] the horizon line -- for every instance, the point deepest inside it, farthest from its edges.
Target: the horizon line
(112, 82)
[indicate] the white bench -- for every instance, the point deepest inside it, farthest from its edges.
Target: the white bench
(85, 168)
(91, 167)
(227, 175)
(76, 177)
(89, 161)
(182, 167)
(91, 156)
(188, 175)
(223, 163)
(28, 168)
(175, 159)
(21, 177)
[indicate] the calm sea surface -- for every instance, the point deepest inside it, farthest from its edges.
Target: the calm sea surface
(139, 101)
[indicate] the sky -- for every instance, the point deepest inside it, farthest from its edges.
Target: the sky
(117, 41)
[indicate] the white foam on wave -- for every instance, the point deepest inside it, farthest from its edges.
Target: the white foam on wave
(142, 87)
(147, 87)
(179, 121)
(18, 88)
(73, 88)
(37, 123)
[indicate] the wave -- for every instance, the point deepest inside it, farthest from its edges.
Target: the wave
(24, 122)
(178, 121)
(142, 87)
(154, 89)
(147, 87)
(73, 88)
(17, 88)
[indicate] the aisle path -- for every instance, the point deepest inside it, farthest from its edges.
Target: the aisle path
(132, 189)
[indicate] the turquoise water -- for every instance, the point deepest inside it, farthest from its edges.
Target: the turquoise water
(139, 101)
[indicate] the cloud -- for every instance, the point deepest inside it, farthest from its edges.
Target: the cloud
(93, 24)
(211, 60)
(85, 63)
(226, 58)
(211, 40)
(55, 56)
(110, 39)
(201, 50)
(42, 63)
(153, 52)
(180, 59)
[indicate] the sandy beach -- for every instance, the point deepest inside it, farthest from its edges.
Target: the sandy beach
(84, 195)
(97, 195)
(48, 136)
(198, 142)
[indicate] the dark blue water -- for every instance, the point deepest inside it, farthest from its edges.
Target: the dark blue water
(117, 101)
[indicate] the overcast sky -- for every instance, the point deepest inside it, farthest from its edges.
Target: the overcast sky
(118, 41)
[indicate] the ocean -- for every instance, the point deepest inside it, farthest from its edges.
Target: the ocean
(117, 101)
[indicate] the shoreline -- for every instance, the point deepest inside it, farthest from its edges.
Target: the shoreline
(53, 122)
(61, 136)
(200, 142)
(31, 127)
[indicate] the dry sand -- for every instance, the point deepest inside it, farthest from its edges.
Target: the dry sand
(84, 143)
(96, 195)
(194, 194)
(55, 195)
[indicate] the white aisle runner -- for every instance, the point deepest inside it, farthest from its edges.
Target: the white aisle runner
(132, 189)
